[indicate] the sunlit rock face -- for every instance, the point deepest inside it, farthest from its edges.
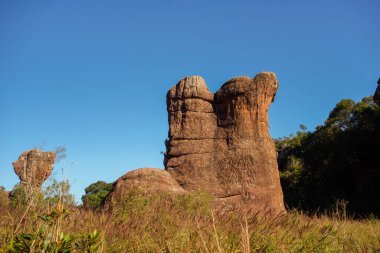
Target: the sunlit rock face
(220, 143)
(33, 167)
(145, 181)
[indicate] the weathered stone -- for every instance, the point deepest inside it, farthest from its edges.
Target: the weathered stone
(221, 144)
(376, 97)
(145, 181)
(33, 167)
(190, 108)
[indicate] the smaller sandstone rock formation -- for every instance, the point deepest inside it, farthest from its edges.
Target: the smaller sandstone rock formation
(34, 166)
(146, 181)
(376, 97)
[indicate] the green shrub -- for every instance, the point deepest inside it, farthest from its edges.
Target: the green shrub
(23, 195)
(59, 191)
(42, 230)
(49, 237)
(95, 194)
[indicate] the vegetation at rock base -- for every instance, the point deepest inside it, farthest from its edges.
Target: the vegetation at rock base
(33, 221)
(337, 165)
(183, 223)
(23, 195)
(95, 194)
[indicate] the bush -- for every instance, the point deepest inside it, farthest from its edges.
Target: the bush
(49, 237)
(59, 191)
(95, 194)
(23, 195)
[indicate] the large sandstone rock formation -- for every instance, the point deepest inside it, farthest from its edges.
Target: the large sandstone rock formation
(33, 167)
(145, 181)
(220, 142)
(376, 97)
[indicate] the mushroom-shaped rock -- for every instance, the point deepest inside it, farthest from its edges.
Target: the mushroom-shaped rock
(33, 167)
(221, 143)
(145, 181)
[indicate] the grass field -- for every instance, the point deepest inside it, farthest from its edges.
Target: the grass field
(163, 223)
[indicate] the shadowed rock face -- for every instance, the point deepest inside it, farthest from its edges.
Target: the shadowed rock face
(145, 181)
(220, 142)
(376, 97)
(34, 166)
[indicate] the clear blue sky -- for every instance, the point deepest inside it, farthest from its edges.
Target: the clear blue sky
(92, 75)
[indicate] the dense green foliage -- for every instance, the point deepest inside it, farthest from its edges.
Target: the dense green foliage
(337, 165)
(96, 194)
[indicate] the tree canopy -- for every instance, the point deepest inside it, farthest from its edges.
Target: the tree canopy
(338, 162)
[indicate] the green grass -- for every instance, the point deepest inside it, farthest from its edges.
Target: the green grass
(163, 223)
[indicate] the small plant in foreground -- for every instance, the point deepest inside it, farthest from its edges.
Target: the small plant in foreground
(41, 228)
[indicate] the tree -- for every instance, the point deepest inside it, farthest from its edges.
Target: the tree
(95, 194)
(59, 192)
(338, 162)
(290, 161)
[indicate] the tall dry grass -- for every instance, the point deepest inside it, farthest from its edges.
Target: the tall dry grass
(163, 223)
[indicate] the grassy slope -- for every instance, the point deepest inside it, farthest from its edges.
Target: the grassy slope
(185, 224)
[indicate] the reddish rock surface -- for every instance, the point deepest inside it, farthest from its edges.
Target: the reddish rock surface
(220, 142)
(376, 97)
(34, 166)
(145, 181)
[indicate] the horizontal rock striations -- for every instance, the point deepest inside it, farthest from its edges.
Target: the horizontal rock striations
(220, 142)
(33, 167)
